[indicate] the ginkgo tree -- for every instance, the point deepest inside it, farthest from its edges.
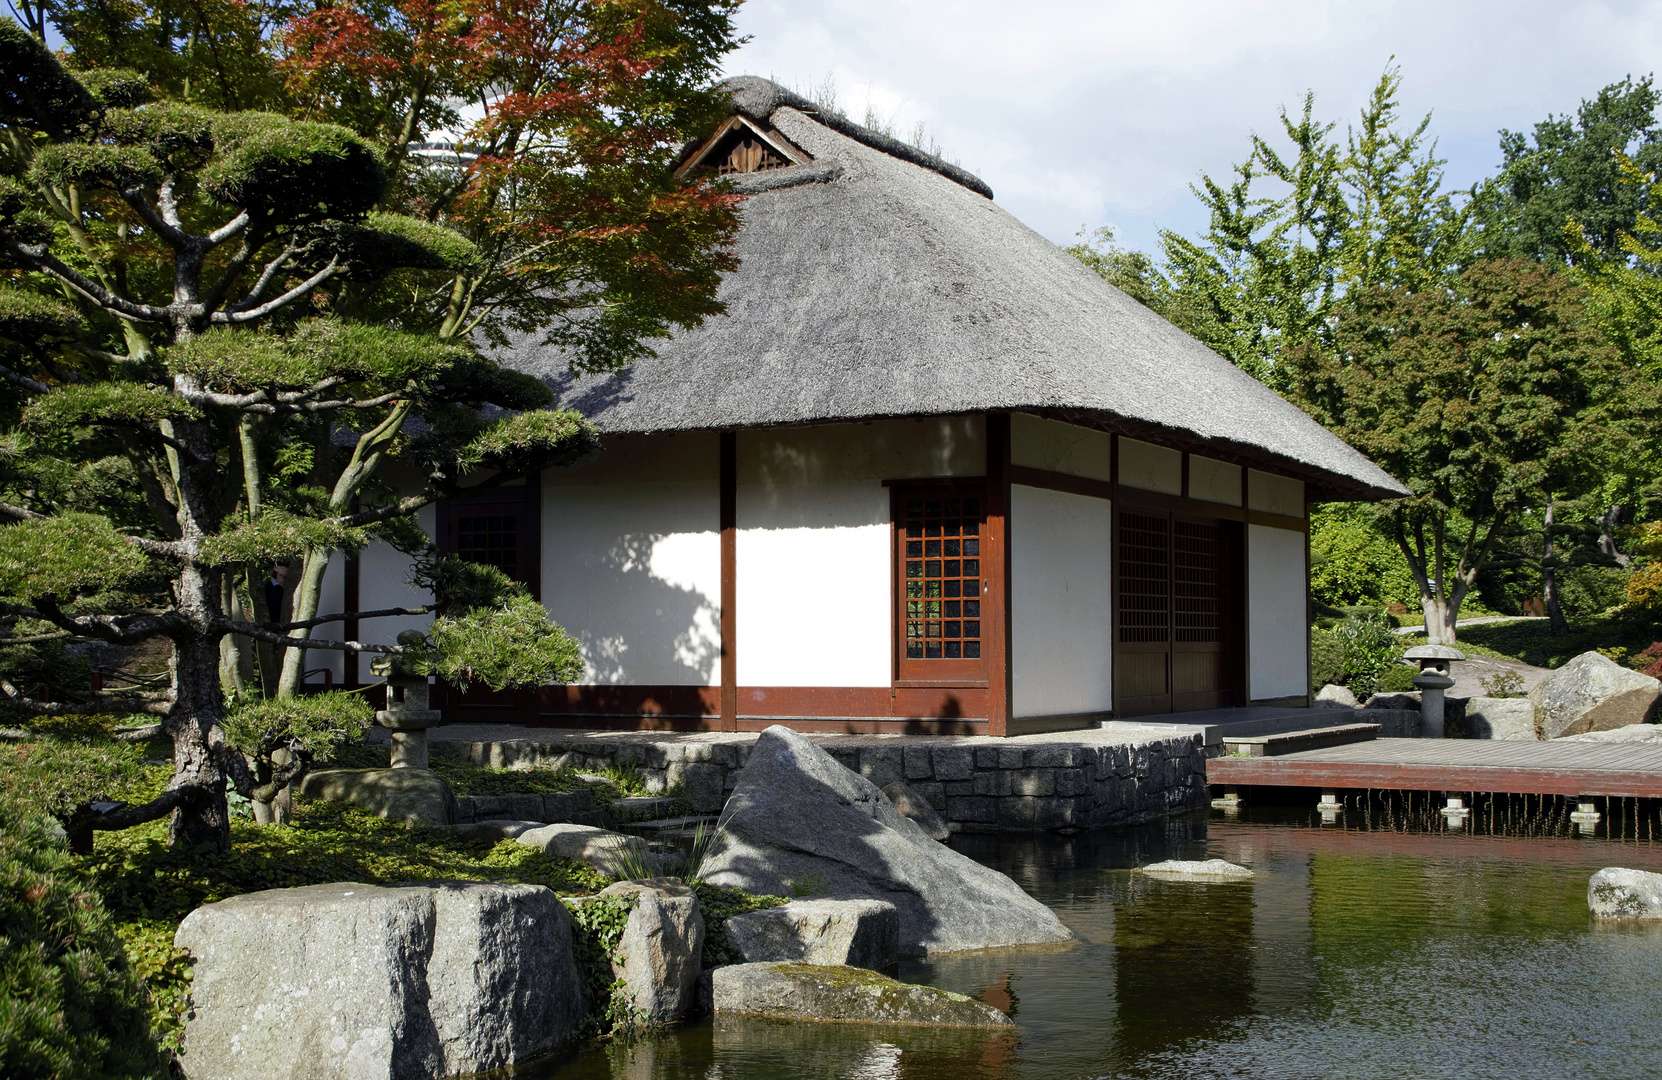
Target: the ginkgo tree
(192, 299)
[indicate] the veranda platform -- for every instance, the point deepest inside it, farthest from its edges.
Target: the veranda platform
(1625, 770)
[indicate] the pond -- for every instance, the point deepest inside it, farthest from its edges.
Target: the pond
(1383, 944)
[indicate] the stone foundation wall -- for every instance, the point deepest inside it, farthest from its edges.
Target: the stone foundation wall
(977, 784)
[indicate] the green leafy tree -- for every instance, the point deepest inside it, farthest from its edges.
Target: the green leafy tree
(1297, 227)
(177, 311)
(1487, 398)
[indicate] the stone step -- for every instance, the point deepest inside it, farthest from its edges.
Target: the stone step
(1288, 742)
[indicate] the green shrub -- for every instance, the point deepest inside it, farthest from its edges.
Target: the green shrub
(70, 1003)
(1396, 679)
(1327, 660)
(1370, 648)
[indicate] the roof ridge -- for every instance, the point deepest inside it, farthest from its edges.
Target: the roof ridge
(757, 98)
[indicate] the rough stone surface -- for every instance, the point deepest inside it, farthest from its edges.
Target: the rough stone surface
(1334, 697)
(1511, 719)
(1639, 733)
(858, 933)
(366, 982)
(413, 796)
(1593, 693)
(700, 783)
(658, 955)
(912, 805)
(613, 854)
(1215, 869)
(1616, 893)
(846, 994)
(797, 816)
(503, 829)
(547, 808)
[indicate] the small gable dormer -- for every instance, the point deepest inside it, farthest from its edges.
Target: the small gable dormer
(742, 146)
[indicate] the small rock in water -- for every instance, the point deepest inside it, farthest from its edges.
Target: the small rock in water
(1189, 868)
(1618, 893)
(846, 994)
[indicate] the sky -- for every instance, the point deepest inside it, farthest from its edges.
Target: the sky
(1083, 114)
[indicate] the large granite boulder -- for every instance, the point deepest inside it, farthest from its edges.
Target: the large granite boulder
(371, 983)
(847, 994)
(857, 933)
(658, 956)
(413, 796)
(1617, 893)
(1592, 693)
(910, 804)
(1511, 719)
(800, 822)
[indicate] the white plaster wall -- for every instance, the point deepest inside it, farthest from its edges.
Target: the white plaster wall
(1151, 468)
(1275, 494)
(382, 571)
(813, 584)
(1276, 594)
(332, 598)
(1214, 481)
(1061, 607)
(631, 550)
(1065, 448)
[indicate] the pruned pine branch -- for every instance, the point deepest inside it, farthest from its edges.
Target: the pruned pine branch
(18, 699)
(343, 616)
(238, 314)
(260, 633)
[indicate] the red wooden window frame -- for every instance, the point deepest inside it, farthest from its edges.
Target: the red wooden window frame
(944, 670)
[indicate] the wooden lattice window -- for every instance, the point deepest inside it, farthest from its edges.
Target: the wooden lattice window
(492, 539)
(750, 154)
(942, 582)
(1197, 581)
(1145, 578)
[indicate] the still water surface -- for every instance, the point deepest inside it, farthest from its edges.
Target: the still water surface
(1363, 948)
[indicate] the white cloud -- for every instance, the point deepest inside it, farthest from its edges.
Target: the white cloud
(1084, 113)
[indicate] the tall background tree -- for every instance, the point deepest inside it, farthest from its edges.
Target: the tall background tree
(200, 302)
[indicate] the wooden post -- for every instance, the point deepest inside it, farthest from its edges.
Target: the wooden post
(729, 481)
(1000, 699)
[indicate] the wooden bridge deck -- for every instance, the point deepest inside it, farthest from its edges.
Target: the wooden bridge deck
(1627, 770)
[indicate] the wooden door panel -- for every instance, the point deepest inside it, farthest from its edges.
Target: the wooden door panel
(1142, 683)
(1173, 643)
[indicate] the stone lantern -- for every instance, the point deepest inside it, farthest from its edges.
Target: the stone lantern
(406, 715)
(1436, 663)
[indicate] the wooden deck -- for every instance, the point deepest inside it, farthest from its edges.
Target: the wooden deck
(1627, 770)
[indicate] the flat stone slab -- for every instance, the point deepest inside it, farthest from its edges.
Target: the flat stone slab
(613, 854)
(504, 829)
(1619, 893)
(415, 797)
(843, 995)
(858, 933)
(1191, 870)
(1632, 733)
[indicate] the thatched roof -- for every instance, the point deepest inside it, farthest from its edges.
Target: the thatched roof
(877, 281)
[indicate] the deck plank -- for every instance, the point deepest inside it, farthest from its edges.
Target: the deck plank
(1544, 768)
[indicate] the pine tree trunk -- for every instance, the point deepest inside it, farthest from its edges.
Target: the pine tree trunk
(1607, 537)
(199, 706)
(308, 594)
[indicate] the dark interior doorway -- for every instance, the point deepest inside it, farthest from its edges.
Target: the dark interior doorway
(1179, 613)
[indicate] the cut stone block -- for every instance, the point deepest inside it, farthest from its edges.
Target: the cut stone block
(858, 933)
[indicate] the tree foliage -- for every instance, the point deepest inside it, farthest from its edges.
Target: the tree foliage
(243, 248)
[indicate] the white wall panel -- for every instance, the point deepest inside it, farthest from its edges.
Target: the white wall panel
(1151, 468)
(1276, 592)
(1061, 608)
(1065, 448)
(1275, 494)
(813, 588)
(631, 551)
(382, 571)
(1214, 481)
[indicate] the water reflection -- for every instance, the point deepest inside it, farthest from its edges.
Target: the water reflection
(1381, 945)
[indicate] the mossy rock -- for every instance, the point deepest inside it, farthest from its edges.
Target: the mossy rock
(412, 796)
(843, 994)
